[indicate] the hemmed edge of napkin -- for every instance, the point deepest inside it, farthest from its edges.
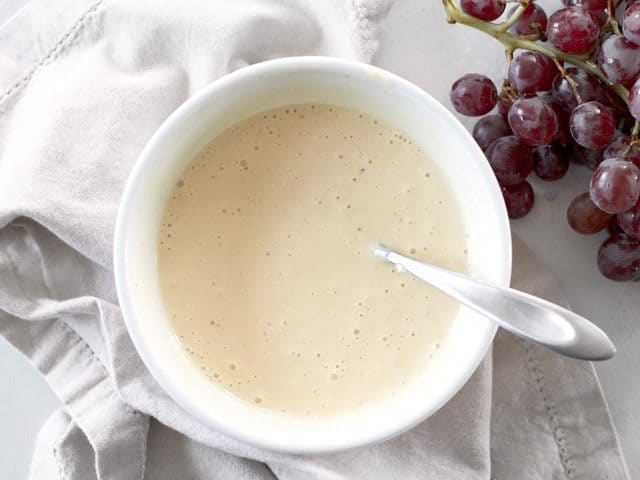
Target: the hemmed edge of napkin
(579, 456)
(571, 405)
(62, 43)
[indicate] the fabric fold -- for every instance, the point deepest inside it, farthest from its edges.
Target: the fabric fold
(86, 84)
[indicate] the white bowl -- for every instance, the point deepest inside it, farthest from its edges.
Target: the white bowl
(242, 94)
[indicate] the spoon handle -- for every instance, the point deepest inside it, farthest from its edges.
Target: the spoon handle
(522, 314)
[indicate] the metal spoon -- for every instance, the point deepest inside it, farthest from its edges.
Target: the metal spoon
(522, 314)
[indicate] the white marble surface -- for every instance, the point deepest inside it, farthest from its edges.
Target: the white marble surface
(25, 403)
(25, 400)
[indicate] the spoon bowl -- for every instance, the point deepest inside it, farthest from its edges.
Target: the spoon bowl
(522, 314)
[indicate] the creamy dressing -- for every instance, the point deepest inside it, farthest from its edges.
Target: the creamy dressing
(265, 266)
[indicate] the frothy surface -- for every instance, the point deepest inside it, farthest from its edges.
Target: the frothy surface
(265, 263)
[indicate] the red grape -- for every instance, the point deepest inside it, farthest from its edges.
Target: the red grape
(550, 162)
(597, 8)
(563, 136)
(634, 100)
(631, 23)
(533, 120)
(519, 199)
(592, 125)
(573, 30)
(600, 16)
(486, 10)
(613, 226)
(474, 95)
(510, 159)
(619, 258)
(585, 156)
(615, 186)
(489, 129)
(588, 87)
(588, 4)
(551, 114)
(619, 148)
(531, 72)
(532, 21)
(619, 59)
(620, 111)
(585, 217)
(629, 221)
(503, 108)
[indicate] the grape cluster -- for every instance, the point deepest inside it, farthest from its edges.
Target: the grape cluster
(571, 94)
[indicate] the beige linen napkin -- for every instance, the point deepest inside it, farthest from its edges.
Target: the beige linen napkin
(83, 85)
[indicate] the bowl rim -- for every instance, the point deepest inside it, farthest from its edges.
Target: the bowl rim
(331, 65)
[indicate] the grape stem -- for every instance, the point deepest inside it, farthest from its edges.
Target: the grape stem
(508, 55)
(613, 23)
(572, 83)
(511, 21)
(635, 132)
(513, 42)
(633, 141)
(509, 94)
